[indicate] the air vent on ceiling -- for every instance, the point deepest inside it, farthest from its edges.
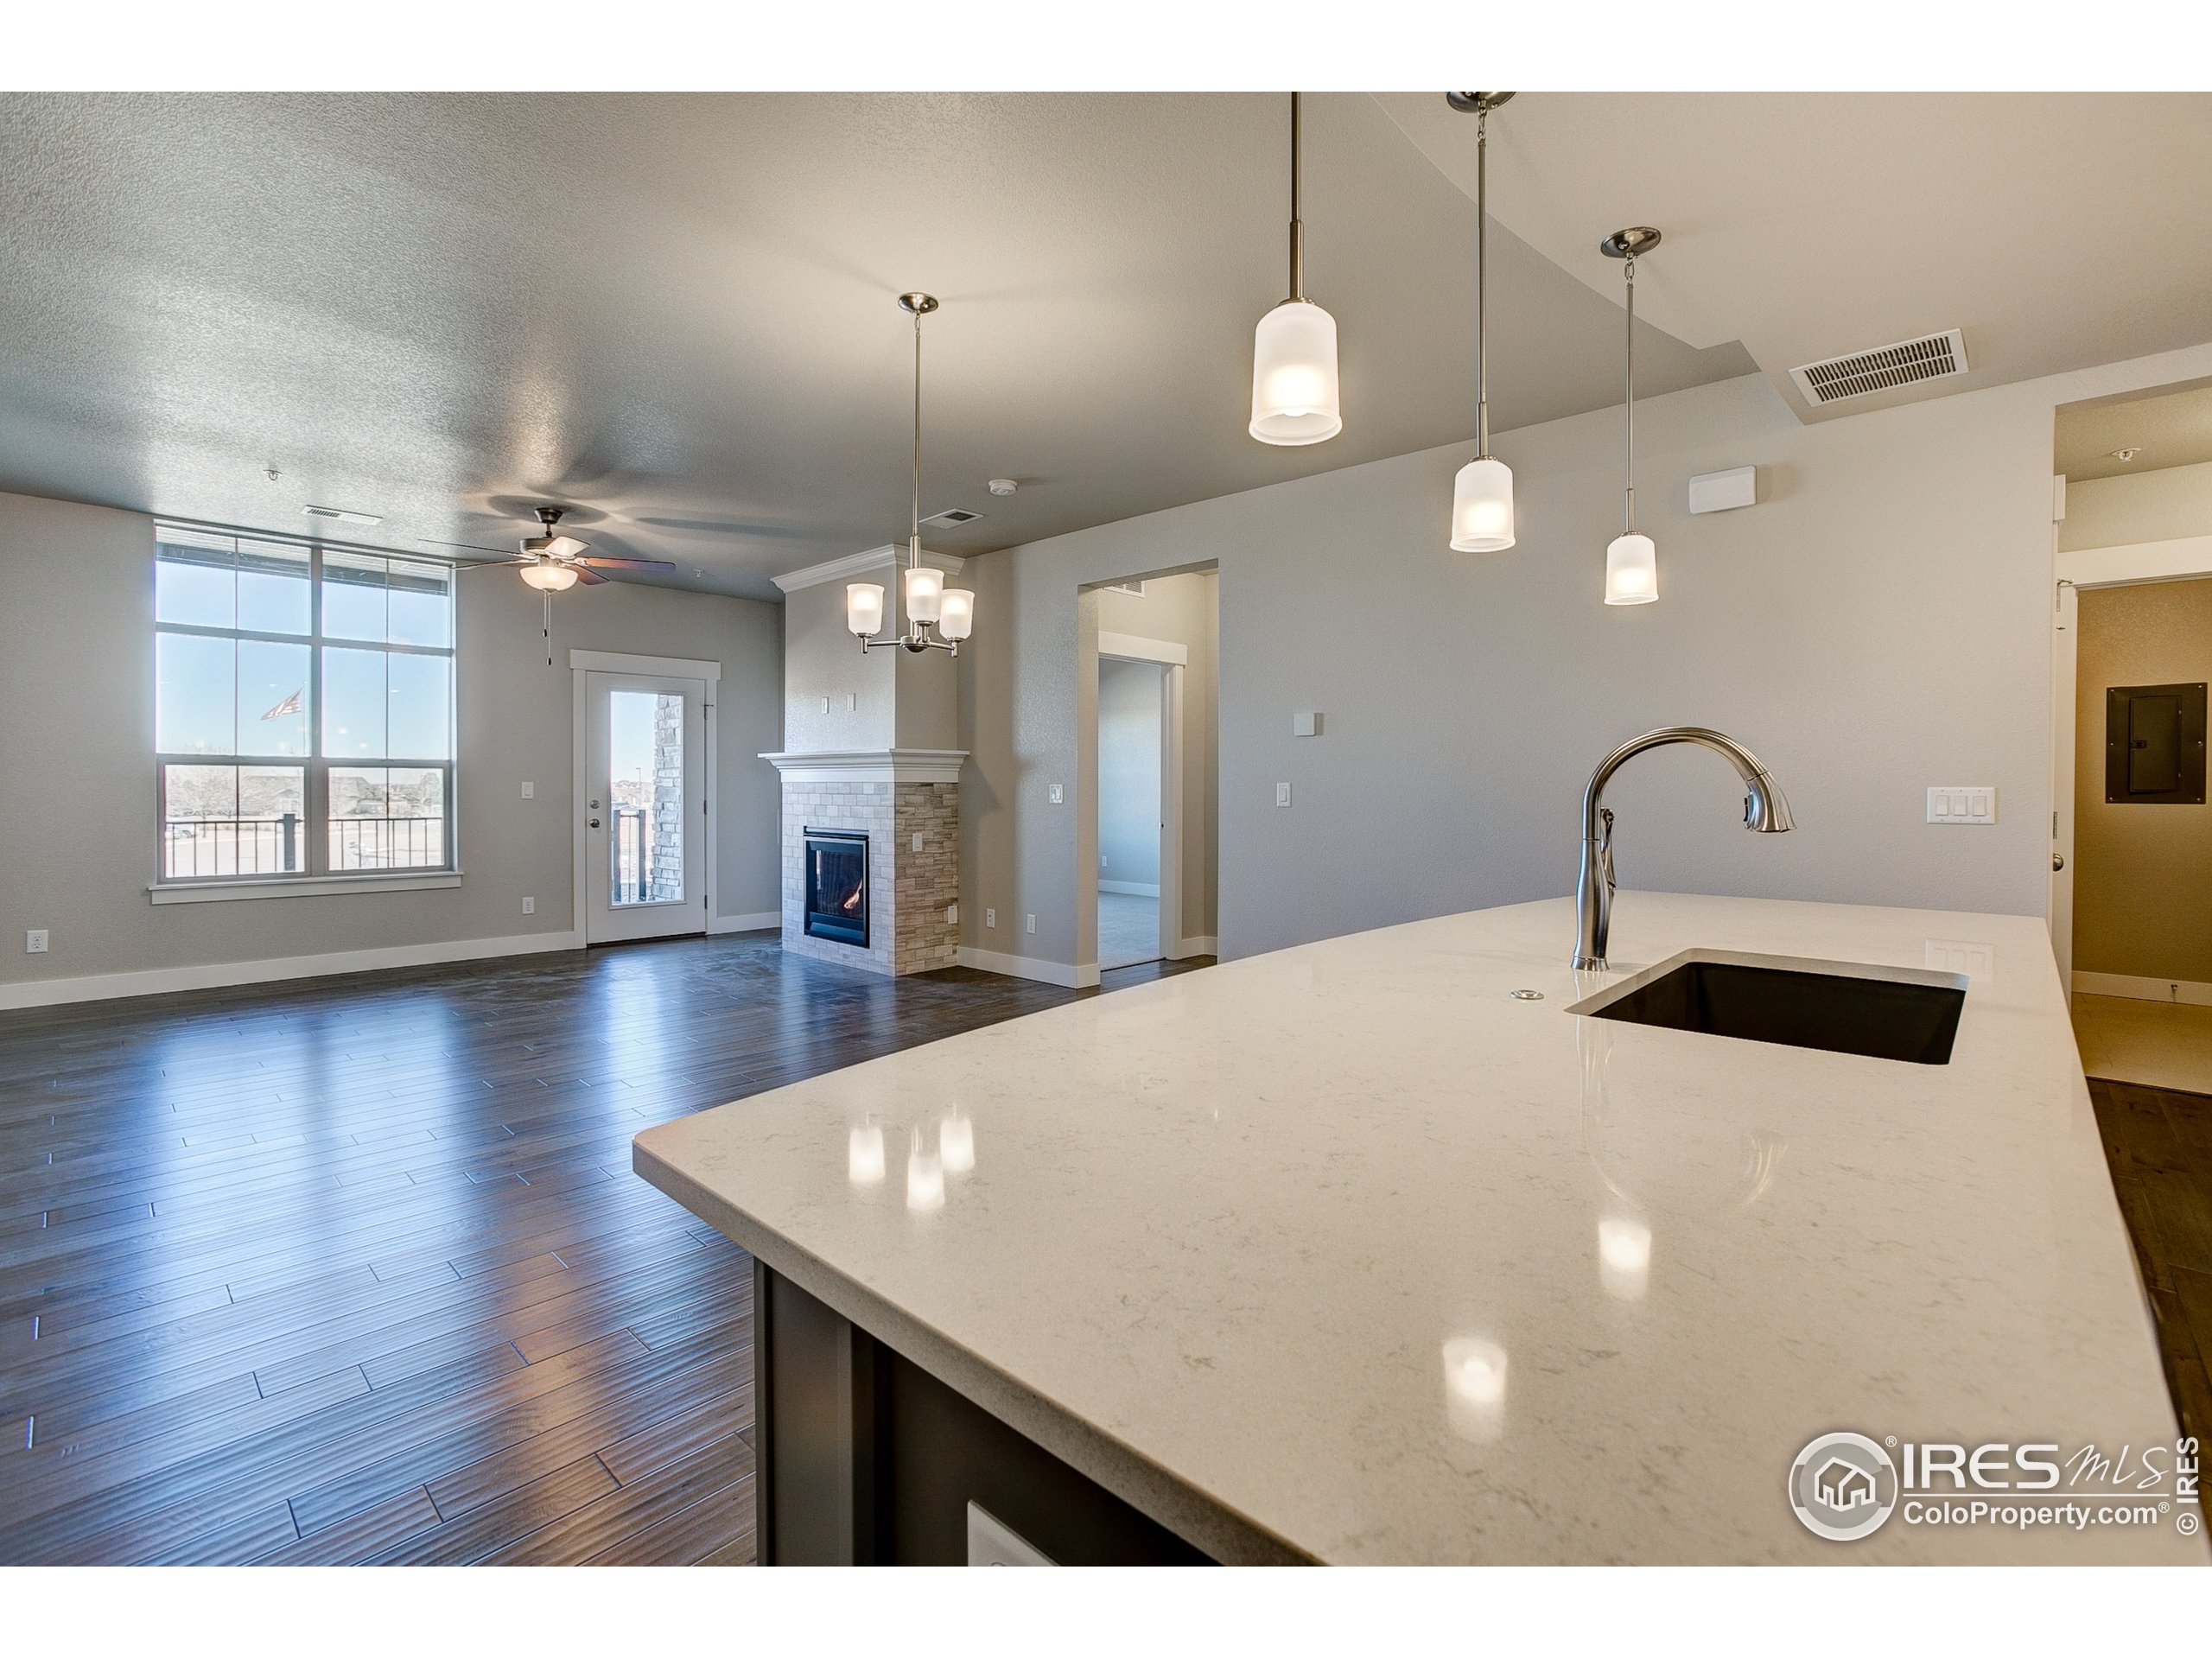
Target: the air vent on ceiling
(344, 516)
(1933, 356)
(952, 516)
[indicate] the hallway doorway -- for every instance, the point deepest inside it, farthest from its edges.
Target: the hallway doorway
(1133, 749)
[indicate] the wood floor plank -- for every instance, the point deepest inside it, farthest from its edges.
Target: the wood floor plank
(297, 1259)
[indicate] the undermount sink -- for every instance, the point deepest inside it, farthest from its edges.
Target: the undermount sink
(1886, 1013)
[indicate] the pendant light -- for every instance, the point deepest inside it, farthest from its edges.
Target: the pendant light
(1482, 495)
(1631, 562)
(930, 604)
(1294, 347)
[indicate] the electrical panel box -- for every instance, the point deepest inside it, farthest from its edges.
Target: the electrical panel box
(2154, 745)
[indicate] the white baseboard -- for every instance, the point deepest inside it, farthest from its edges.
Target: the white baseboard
(2195, 992)
(1202, 944)
(1134, 889)
(752, 922)
(153, 982)
(1052, 973)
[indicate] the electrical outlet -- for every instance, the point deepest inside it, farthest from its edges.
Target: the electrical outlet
(529, 906)
(1032, 921)
(1963, 804)
(1282, 794)
(35, 942)
(1053, 793)
(990, 916)
(530, 792)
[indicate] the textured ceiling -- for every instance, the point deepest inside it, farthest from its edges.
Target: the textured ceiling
(675, 313)
(2056, 230)
(2173, 429)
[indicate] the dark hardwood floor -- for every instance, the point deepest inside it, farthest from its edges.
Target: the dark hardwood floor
(355, 1270)
(2159, 1145)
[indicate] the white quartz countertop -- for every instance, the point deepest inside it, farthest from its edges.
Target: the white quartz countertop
(1343, 1253)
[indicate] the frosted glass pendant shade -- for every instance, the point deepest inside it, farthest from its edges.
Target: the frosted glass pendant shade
(957, 613)
(549, 578)
(1482, 507)
(1631, 571)
(864, 607)
(1295, 375)
(924, 587)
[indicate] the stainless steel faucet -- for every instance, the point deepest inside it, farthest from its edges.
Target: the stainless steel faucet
(1765, 810)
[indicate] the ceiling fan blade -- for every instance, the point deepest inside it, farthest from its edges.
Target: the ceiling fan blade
(589, 578)
(493, 565)
(628, 564)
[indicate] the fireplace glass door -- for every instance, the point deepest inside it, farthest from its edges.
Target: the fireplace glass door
(837, 886)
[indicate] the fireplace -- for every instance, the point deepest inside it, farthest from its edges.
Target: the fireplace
(837, 886)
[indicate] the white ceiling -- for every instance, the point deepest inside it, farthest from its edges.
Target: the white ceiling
(2173, 429)
(2057, 231)
(675, 313)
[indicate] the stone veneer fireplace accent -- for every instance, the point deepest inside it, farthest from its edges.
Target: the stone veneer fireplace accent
(891, 796)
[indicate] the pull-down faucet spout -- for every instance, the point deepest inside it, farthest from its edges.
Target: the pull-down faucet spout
(1764, 812)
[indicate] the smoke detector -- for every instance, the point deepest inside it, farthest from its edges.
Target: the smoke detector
(952, 516)
(1004, 486)
(2127, 453)
(1931, 357)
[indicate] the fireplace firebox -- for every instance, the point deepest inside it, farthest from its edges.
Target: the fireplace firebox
(837, 886)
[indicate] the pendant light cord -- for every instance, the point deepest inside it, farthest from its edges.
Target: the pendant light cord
(1297, 223)
(1628, 271)
(1482, 283)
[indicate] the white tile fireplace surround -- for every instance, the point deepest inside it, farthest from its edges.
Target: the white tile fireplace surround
(892, 795)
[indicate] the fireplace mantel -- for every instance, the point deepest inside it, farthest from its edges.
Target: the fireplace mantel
(868, 765)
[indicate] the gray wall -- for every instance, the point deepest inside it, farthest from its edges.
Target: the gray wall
(1128, 773)
(76, 678)
(1876, 624)
(2142, 873)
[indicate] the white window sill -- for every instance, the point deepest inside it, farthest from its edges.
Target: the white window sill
(301, 886)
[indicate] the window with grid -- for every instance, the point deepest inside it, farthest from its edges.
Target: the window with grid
(303, 709)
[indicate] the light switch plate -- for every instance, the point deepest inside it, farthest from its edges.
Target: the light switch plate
(1963, 804)
(852, 703)
(952, 915)
(1282, 794)
(1305, 723)
(530, 792)
(917, 841)
(1053, 793)
(825, 705)
(1966, 956)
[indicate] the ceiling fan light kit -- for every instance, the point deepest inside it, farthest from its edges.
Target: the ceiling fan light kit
(937, 618)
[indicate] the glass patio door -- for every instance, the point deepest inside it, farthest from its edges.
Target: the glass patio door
(644, 807)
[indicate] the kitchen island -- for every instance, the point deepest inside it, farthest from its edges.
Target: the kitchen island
(1347, 1253)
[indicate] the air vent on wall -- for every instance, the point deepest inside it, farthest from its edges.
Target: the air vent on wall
(952, 516)
(1933, 356)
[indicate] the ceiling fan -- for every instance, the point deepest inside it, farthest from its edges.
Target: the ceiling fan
(553, 562)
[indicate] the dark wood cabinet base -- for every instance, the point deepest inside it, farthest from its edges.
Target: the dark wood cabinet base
(865, 1459)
